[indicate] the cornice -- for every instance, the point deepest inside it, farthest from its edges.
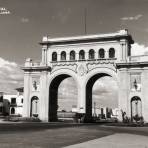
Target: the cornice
(39, 68)
(131, 65)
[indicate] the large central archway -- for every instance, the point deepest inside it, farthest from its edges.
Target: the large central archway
(89, 93)
(54, 95)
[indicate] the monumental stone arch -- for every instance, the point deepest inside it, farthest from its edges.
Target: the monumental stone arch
(86, 59)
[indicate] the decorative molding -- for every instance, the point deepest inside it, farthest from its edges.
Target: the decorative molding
(37, 68)
(82, 69)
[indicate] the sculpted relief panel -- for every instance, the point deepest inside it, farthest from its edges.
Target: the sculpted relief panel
(82, 69)
(35, 83)
(64, 65)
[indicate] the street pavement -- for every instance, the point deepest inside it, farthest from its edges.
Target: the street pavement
(115, 141)
(57, 135)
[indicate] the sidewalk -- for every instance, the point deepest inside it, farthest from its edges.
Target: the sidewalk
(115, 141)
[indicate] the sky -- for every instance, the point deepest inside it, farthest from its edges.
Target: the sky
(23, 23)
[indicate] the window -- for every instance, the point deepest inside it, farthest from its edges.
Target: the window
(81, 55)
(13, 100)
(63, 56)
(54, 56)
(111, 53)
(101, 53)
(91, 54)
(22, 100)
(1, 98)
(72, 55)
(1, 109)
(12, 110)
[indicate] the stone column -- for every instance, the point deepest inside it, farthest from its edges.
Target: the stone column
(81, 97)
(96, 54)
(58, 56)
(44, 94)
(106, 54)
(144, 91)
(124, 50)
(124, 88)
(77, 55)
(86, 55)
(44, 55)
(27, 88)
(67, 56)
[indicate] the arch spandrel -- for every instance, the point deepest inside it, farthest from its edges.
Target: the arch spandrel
(103, 70)
(65, 71)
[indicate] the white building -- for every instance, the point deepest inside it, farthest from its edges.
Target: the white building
(13, 104)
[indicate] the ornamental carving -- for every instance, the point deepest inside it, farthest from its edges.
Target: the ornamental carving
(82, 70)
(35, 83)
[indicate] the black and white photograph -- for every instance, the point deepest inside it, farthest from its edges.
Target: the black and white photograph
(73, 73)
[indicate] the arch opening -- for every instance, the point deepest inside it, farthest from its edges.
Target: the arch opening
(101, 98)
(136, 109)
(111, 53)
(34, 106)
(91, 54)
(63, 56)
(62, 98)
(72, 55)
(54, 56)
(81, 55)
(12, 111)
(101, 53)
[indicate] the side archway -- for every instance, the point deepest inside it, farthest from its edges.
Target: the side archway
(34, 106)
(136, 108)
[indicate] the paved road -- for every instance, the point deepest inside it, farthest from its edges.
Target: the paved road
(45, 135)
(115, 141)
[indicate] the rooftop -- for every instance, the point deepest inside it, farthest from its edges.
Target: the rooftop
(109, 36)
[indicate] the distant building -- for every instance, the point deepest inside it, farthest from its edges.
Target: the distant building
(102, 112)
(1, 103)
(13, 104)
(74, 109)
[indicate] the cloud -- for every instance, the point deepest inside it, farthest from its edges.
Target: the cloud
(24, 20)
(62, 15)
(131, 18)
(4, 11)
(105, 93)
(139, 49)
(11, 76)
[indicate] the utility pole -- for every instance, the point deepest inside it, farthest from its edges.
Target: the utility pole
(95, 108)
(85, 21)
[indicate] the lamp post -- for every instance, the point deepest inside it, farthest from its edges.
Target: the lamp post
(94, 108)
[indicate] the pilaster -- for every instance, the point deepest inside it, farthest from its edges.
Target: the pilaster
(27, 89)
(44, 90)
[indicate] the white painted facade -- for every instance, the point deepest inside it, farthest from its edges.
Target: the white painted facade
(15, 105)
(88, 64)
